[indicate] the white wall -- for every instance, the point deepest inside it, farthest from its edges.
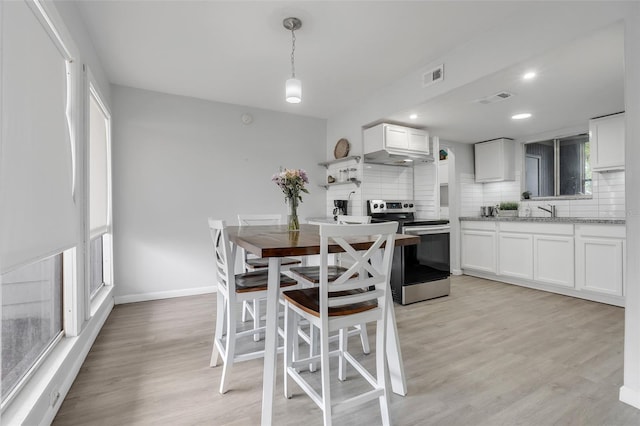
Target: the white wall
(179, 160)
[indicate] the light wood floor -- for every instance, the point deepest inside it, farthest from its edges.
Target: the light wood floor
(489, 354)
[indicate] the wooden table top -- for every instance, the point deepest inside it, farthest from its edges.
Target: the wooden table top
(277, 241)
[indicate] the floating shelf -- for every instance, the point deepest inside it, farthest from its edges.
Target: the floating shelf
(354, 181)
(326, 164)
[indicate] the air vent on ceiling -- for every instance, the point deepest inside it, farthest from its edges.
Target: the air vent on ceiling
(497, 97)
(434, 76)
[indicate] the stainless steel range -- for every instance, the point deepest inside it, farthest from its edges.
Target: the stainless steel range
(422, 271)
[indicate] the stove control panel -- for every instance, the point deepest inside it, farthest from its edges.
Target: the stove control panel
(391, 206)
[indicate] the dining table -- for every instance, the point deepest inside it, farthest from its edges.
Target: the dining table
(275, 242)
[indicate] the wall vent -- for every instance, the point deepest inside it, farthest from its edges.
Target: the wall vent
(434, 76)
(496, 97)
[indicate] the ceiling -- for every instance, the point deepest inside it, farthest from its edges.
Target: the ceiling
(575, 82)
(238, 52)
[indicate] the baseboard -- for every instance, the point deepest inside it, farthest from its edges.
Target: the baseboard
(143, 297)
(630, 396)
(456, 272)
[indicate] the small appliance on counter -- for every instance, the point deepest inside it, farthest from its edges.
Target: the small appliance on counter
(488, 211)
(422, 271)
(340, 208)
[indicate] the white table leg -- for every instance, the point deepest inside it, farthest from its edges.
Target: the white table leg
(394, 353)
(271, 342)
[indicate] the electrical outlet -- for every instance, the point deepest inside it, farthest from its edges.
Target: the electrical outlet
(55, 395)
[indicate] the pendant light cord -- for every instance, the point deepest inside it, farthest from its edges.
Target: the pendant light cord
(293, 50)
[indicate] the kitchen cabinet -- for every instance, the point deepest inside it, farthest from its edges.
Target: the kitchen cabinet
(553, 259)
(607, 139)
(515, 255)
(443, 172)
(398, 138)
(600, 257)
(494, 160)
(478, 246)
(585, 260)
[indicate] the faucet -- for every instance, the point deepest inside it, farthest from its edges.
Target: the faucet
(551, 210)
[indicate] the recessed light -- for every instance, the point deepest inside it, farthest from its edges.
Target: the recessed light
(413, 116)
(529, 75)
(408, 160)
(521, 116)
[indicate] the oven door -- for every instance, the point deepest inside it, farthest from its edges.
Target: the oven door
(429, 260)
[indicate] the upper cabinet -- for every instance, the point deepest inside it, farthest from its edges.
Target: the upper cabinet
(495, 160)
(607, 143)
(392, 137)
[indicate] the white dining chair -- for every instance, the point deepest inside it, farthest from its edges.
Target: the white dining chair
(254, 263)
(309, 276)
(357, 295)
(231, 290)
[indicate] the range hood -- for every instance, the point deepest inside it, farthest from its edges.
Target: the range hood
(390, 157)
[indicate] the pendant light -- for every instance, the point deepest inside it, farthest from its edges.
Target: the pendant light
(293, 86)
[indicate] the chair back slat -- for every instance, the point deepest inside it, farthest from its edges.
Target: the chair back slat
(260, 219)
(351, 220)
(224, 255)
(368, 275)
(336, 301)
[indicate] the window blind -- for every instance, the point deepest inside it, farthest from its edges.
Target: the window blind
(38, 215)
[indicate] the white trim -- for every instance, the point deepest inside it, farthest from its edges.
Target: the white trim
(143, 297)
(630, 396)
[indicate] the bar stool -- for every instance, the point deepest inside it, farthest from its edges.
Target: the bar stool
(231, 290)
(356, 296)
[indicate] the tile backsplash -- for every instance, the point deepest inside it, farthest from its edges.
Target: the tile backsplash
(607, 200)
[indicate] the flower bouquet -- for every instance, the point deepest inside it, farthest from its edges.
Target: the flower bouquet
(292, 182)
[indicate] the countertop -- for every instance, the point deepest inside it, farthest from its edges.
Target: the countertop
(321, 219)
(547, 219)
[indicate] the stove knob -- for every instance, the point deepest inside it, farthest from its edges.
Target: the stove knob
(410, 205)
(375, 206)
(406, 205)
(382, 206)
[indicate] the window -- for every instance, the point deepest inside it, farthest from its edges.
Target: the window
(558, 167)
(31, 317)
(99, 194)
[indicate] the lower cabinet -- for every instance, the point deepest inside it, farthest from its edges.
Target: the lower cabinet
(515, 255)
(553, 259)
(600, 257)
(479, 250)
(581, 260)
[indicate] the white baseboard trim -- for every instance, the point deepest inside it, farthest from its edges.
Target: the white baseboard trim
(630, 396)
(456, 271)
(144, 297)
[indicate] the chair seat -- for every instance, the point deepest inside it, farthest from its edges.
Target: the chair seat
(308, 300)
(312, 273)
(264, 262)
(258, 280)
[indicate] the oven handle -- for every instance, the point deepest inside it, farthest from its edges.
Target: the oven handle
(426, 230)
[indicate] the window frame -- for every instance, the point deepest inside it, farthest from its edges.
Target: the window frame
(556, 166)
(93, 301)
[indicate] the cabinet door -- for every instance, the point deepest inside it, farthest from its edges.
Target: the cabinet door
(443, 172)
(515, 255)
(553, 260)
(599, 265)
(607, 143)
(396, 137)
(418, 141)
(479, 250)
(489, 161)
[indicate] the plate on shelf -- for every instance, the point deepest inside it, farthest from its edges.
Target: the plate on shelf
(342, 149)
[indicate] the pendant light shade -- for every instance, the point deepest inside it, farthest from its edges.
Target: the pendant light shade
(293, 90)
(293, 87)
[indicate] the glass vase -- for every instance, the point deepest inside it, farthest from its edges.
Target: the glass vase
(292, 219)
